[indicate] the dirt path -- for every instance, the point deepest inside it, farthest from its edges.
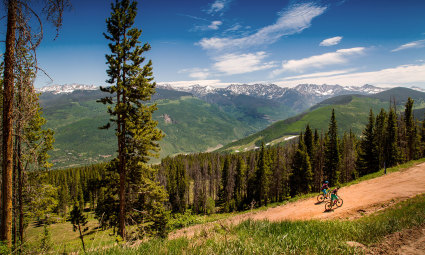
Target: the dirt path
(359, 199)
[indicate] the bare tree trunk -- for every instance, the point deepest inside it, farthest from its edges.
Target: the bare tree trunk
(121, 147)
(81, 237)
(9, 61)
(123, 173)
(20, 200)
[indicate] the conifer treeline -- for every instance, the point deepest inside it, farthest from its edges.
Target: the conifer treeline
(205, 182)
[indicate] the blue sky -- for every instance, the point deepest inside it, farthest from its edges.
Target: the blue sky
(219, 42)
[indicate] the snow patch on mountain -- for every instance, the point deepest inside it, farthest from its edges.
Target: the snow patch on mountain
(272, 91)
(65, 89)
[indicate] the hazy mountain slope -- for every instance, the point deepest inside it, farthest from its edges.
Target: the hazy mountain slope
(190, 125)
(351, 113)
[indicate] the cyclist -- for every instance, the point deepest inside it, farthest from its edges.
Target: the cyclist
(324, 188)
(334, 194)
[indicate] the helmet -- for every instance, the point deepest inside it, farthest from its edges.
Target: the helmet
(326, 182)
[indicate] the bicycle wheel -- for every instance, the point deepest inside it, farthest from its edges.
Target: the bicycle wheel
(328, 206)
(339, 202)
(320, 198)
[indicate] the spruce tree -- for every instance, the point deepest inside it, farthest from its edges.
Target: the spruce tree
(131, 85)
(368, 154)
(240, 183)
(309, 141)
(392, 151)
(301, 179)
(379, 136)
(78, 220)
(410, 130)
(332, 155)
(262, 177)
(227, 187)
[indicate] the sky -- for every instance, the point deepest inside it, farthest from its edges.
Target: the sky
(222, 42)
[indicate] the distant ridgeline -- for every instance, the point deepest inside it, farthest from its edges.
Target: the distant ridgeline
(206, 182)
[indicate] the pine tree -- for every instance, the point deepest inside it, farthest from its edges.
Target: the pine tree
(78, 220)
(379, 136)
(332, 155)
(240, 183)
(227, 187)
(301, 178)
(368, 154)
(349, 155)
(309, 141)
(263, 177)
(410, 130)
(20, 33)
(131, 84)
(392, 151)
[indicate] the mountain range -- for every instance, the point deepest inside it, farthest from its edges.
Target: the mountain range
(193, 119)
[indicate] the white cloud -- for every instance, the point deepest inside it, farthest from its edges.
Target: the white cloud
(319, 74)
(242, 63)
(319, 61)
(331, 41)
(414, 44)
(197, 73)
(218, 6)
(292, 21)
(404, 75)
(215, 24)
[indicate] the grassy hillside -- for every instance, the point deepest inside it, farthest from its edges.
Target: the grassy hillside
(189, 125)
(351, 112)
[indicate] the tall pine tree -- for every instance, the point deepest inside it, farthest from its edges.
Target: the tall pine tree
(368, 157)
(379, 136)
(332, 155)
(392, 150)
(131, 84)
(410, 130)
(301, 178)
(309, 141)
(262, 177)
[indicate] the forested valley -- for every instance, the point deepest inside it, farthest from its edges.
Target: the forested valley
(128, 198)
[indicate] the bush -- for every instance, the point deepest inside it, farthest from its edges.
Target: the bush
(3, 248)
(210, 206)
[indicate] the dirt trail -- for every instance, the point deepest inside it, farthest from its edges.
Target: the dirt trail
(359, 199)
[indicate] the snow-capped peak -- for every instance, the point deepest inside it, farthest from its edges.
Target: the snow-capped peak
(66, 89)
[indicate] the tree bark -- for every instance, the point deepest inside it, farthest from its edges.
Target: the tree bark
(9, 62)
(81, 237)
(121, 146)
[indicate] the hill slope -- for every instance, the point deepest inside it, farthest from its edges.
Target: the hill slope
(351, 112)
(189, 124)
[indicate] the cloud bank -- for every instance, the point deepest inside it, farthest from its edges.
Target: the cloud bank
(404, 75)
(292, 21)
(319, 61)
(242, 63)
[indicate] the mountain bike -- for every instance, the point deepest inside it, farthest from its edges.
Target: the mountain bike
(337, 202)
(321, 197)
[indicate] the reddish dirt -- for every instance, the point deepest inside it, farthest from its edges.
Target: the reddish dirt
(359, 199)
(409, 241)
